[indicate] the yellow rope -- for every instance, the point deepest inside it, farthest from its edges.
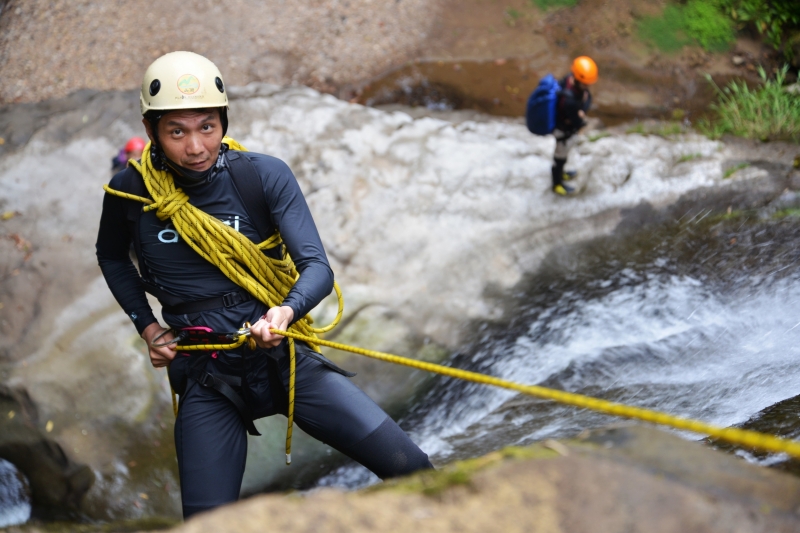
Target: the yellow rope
(750, 439)
(236, 256)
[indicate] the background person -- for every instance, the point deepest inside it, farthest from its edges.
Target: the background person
(131, 151)
(574, 101)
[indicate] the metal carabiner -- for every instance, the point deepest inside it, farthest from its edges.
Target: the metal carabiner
(176, 340)
(245, 331)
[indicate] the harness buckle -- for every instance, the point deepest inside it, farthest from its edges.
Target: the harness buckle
(206, 379)
(230, 299)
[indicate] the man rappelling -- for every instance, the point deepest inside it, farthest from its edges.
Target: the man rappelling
(224, 237)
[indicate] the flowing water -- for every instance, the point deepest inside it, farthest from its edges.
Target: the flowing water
(698, 317)
(15, 498)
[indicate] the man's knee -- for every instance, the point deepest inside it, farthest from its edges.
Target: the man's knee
(389, 452)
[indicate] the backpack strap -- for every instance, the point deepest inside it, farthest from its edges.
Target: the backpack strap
(248, 184)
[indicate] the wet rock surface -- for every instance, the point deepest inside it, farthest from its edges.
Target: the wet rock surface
(620, 479)
(56, 483)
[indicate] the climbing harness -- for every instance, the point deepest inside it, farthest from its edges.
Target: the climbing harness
(201, 338)
(237, 257)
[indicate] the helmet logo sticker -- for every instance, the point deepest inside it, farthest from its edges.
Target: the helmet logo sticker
(188, 84)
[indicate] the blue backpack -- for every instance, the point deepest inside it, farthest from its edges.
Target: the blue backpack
(540, 113)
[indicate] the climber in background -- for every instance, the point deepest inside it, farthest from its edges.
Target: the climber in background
(132, 150)
(560, 108)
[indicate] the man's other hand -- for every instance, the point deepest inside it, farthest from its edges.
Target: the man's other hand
(161, 356)
(276, 318)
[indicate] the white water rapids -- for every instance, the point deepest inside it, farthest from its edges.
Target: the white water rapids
(690, 346)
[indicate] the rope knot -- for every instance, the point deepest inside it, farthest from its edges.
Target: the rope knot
(170, 204)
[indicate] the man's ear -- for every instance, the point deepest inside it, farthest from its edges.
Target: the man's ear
(148, 129)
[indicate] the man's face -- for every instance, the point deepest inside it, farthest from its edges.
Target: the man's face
(190, 137)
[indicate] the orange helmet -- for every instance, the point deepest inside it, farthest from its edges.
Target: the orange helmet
(584, 70)
(134, 143)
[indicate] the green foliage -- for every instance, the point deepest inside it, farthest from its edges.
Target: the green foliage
(662, 129)
(547, 4)
(435, 482)
(637, 128)
(597, 136)
(772, 18)
(689, 157)
(699, 21)
(734, 169)
(706, 23)
(667, 32)
(788, 212)
(766, 112)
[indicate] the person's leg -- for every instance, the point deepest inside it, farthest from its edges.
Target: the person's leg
(211, 443)
(558, 171)
(330, 408)
(563, 145)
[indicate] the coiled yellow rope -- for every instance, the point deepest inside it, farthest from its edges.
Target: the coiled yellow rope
(272, 279)
(241, 260)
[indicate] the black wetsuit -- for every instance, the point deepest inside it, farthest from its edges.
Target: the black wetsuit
(210, 434)
(571, 100)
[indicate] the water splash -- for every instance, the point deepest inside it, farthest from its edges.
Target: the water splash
(15, 496)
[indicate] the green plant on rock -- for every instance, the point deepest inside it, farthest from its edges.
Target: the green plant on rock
(708, 25)
(774, 19)
(734, 169)
(597, 136)
(667, 32)
(660, 128)
(766, 112)
(699, 21)
(547, 4)
(689, 157)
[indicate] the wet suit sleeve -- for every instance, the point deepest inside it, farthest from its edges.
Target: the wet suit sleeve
(290, 214)
(113, 256)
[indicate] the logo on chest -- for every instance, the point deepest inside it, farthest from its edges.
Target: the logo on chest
(168, 235)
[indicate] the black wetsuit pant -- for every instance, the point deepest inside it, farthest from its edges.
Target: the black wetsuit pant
(211, 439)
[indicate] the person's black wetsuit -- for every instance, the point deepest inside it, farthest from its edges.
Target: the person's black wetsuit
(570, 101)
(210, 434)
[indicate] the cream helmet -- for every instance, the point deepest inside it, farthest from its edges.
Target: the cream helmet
(182, 80)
